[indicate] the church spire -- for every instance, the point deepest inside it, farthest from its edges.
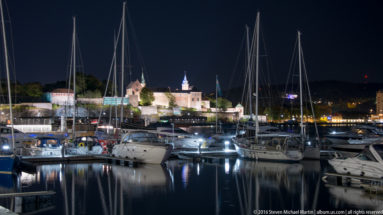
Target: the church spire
(143, 79)
(185, 83)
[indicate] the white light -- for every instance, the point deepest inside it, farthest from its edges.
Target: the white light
(195, 133)
(227, 166)
(200, 140)
(333, 132)
(227, 142)
(309, 143)
(5, 147)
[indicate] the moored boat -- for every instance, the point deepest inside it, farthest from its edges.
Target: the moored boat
(270, 147)
(87, 145)
(45, 146)
(368, 163)
(143, 147)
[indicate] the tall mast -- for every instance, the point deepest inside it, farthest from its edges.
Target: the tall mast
(115, 78)
(7, 71)
(300, 82)
(248, 71)
(122, 62)
(74, 76)
(216, 103)
(256, 76)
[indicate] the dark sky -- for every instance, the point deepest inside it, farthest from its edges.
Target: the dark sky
(342, 40)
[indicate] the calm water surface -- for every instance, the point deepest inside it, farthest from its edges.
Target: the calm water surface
(222, 186)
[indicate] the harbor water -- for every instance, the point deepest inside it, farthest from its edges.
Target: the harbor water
(222, 186)
(218, 185)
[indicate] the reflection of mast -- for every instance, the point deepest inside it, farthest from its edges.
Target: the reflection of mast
(102, 196)
(216, 192)
(65, 192)
(121, 200)
(73, 195)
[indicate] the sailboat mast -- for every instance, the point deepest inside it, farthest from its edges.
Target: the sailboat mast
(300, 82)
(122, 62)
(7, 71)
(115, 79)
(256, 76)
(216, 103)
(74, 77)
(248, 71)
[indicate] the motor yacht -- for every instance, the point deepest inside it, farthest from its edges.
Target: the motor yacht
(357, 135)
(368, 163)
(143, 147)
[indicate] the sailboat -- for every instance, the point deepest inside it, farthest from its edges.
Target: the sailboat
(311, 148)
(8, 162)
(86, 144)
(250, 143)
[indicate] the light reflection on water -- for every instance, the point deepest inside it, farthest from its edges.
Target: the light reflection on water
(224, 186)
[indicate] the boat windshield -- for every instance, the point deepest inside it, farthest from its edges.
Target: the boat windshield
(47, 143)
(87, 140)
(140, 137)
(379, 149)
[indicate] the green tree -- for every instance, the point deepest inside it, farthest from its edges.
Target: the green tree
(171, 98)
(223, 103)
(33, 90)
(90, 94)
(146, 96)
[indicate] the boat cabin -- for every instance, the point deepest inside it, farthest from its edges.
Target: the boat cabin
(139, 136)
(88, 141)
(47, 142)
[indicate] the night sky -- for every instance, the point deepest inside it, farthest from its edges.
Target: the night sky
(342, 40)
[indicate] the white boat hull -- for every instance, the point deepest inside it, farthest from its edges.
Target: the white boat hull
(144, 153)
(357, 167)
(96, 150)
(259, 153)
(44, 151)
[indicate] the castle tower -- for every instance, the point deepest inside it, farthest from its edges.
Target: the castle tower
(185, 83)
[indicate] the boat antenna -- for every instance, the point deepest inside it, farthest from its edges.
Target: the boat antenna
(7, 71)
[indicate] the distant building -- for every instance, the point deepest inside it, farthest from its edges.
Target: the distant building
(183, 98)
(379, 102)
(62, 96)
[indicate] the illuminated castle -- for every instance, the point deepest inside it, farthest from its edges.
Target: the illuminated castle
(185, 97)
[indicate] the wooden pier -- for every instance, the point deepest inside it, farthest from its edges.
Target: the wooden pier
(81, 159)
(65, 159)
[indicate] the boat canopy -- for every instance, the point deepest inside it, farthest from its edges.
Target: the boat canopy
(140, 137)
